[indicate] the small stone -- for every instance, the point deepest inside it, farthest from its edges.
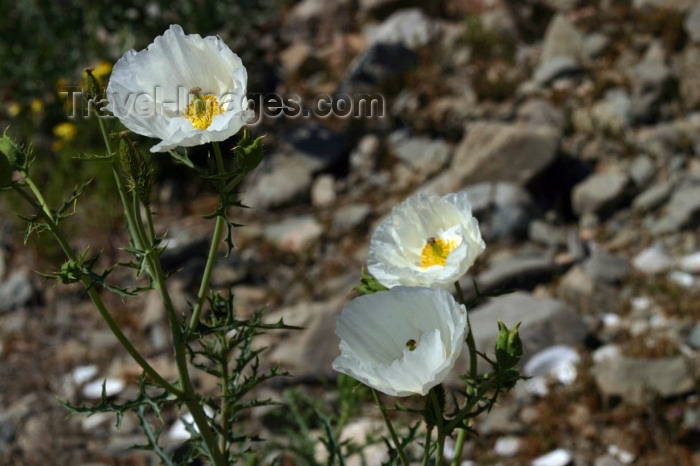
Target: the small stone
(294, 234)
(692, 24)
(558, 457)
(424, 155)
(613, 113)
(112, 386)
(694, 337)
(606, 268)
(284, 181)
(652, 198)
(350, 216)
(507, 447)
(600, 193)
(683, 279)
(323, 191)
(652, 260)
(652, 72)
(682, 212)
(410, 28)
(16, 291)
(538, 112)
(690, 263)
(690, 77)
(562, 50)
(558, 361)
(82, 374)
(637, 380)
(642, 170)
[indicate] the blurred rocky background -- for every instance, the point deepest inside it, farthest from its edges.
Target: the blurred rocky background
(574, 126)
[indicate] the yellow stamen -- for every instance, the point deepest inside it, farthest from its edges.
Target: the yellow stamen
(435, 252)
(202, 110)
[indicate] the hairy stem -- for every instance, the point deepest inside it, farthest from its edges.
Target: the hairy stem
(392, 432)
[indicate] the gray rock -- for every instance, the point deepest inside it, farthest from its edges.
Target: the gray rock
(377, 66)
(694, 337)
(595, 43)
(284, 181)
(483, 197)
(674, 5)
(642, 170)
(323, 191)
(638, 380)
(606, 268)
(509, 221)
(562, 50)
(652, 198)
(613, 113)
(350, 216)
(690, 77)
(503, 152)
(410, 28)
(16, 291)
(294, 234)
(652, 72)
(422, 154)
(683, 211)
(317, 145)
(692, 24)
(544, 233)
(586, 295)
(652, 260)
(545, 322)
(600, 193)
(538, 112)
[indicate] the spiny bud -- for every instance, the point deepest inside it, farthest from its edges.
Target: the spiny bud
(93, 89)
(12, 152)
(509, 347)
(138, 169)
(248, 152)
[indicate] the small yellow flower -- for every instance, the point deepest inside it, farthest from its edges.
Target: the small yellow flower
(65, 131)
(102, 71)
(37, 106)
(13, 109)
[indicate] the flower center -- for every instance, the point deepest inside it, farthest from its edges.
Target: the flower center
(202, 109)
(435, 252)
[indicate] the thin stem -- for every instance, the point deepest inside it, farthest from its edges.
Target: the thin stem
(224, 400)
(471, 344)
(382, 409)
(92, 292)
(149, 222)
(464, 412)
(213, 252)
(440, 426)
(426, 452)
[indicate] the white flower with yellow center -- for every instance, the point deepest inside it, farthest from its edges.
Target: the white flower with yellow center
(183, 89)
(426, 241)
(401, 342)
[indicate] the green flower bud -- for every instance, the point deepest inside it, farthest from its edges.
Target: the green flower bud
(138, 169)
(93, 89)
(13, 153)
(248, 152)
(509, 347)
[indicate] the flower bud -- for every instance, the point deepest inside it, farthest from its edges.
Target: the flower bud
(93, 89)
(509, 347)
(12, 152)
(248, 152)
(138, 169)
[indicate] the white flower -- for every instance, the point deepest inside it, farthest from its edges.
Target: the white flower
(401, 342)
(426, 241)
(183, 89)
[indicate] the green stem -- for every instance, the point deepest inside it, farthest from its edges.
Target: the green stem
(92, 292)
(382, 409)
(426, 453)
(464, 412)
(224, 401)
(213, 252)
(471, 344)
(440, 427)
(149, 221)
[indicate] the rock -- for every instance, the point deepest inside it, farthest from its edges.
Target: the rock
(637, 380)
(318, 146)
(642, 170)
(694, 337)
(539, 112)
(558, 457)
(601, 193)
(16, 291)
(562, 50)
(424, 155)
(286, 180)
(558, 361)
(518, 272)
(588, 296)
(652, 198)
(506, 447)
(294, 234)
(595, 44)
(652, 72)
(350, 216)
(545, 322)
(308, 20)
(502, 152)
(112, 386)
(613, 113)
(673, 5)
(323, 191)
(485, 197)
(544, 233)
(682, 211)
(376, 67)
(690, 77)
(410, 28)
(652, 260)
(692, 24)
(690, 263)
(606, 268)
(298, 60)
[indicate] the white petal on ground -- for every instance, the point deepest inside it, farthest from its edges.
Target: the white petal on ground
(374, 331)
(395, 248)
